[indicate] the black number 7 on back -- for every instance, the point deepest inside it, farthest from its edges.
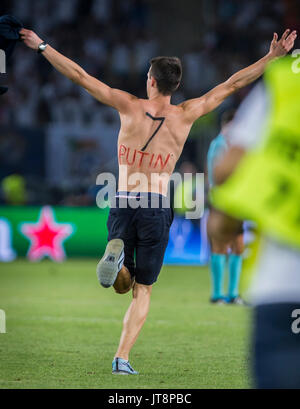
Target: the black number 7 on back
(161, 119)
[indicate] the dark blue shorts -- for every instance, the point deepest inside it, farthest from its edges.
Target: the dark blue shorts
(145, 232)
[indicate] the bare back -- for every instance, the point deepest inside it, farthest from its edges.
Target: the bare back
(153, 132)
(150, 142)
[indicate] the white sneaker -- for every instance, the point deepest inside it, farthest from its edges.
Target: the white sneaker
(111, 263)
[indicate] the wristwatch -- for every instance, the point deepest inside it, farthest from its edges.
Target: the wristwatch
(42, 47)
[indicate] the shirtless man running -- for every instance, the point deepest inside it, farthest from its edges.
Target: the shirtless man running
(151, 139)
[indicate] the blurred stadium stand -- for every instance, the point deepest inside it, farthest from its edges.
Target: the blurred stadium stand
(59, 138)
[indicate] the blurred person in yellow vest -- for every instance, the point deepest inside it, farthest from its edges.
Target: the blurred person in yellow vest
(14, 190)
(258, 179)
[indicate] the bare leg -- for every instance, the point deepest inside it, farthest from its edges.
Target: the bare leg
(221, 246)
(222, 228)
(218, 246)
(237, 245)
(123, 282)
(134, 319)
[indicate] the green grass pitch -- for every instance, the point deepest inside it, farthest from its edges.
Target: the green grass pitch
(63, 330)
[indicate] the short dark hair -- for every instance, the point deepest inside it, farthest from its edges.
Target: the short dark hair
(167, 72)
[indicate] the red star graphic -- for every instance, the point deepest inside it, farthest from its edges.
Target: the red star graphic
(46, 236)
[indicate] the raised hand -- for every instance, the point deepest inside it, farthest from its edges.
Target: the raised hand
(30, 38)
(284, 45)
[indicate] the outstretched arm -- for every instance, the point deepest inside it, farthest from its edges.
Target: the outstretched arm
(115, 98)
(195, 108)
